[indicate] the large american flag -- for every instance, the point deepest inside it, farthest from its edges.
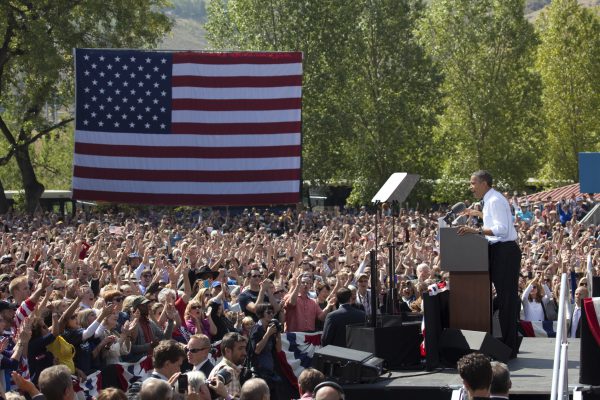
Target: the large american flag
(194, 128)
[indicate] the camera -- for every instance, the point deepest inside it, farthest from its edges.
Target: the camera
(277, 325)
(224, 376)
(182, 384)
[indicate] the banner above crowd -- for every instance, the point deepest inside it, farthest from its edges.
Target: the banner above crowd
(188, 128)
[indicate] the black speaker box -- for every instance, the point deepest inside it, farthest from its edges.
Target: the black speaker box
(455, 343)
(386, 320)
(397, 344)
(589, 368)
(595, 286)
(347, 365)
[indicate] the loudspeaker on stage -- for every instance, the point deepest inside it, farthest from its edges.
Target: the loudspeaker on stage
(396, 343)
(347, 365)
(455, 343)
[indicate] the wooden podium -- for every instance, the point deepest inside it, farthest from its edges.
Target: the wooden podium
(466, 258)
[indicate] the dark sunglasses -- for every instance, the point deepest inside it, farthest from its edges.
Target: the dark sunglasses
(254, 276)
(194, 351)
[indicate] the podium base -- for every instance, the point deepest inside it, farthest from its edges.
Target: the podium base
(470, 301)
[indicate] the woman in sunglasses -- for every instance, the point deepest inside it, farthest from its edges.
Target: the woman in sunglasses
(197, 321)
(535, 298)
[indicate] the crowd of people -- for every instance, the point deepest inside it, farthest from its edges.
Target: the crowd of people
(82, 294)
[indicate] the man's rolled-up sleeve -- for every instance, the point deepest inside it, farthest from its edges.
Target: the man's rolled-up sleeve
(500, 219)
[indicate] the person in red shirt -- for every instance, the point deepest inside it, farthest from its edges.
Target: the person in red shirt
(301, 311)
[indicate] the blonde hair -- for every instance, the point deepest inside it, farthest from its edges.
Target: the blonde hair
(540, 291)
(189, 306)
(15, 282)
(199, 297)
(83, 317)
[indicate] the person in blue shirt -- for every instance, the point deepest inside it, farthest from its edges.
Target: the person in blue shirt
(564, 212)
(525, 214)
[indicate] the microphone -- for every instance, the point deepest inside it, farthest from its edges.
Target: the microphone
(456, 209)
(461, 220)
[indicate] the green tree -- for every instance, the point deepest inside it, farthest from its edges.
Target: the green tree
(393, 92)
(36, 65)
(369, 91)
(486, 52)
(569, 63)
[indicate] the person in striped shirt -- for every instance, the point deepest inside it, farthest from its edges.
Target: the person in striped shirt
(20, 290)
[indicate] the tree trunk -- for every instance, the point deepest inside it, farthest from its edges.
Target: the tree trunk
(33, 189)
(3, 201)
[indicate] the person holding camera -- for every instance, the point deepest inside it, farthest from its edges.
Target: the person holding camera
(196, 382)
(265, 343)
(233, 349)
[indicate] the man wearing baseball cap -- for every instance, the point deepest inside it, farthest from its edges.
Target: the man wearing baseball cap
(148, 334)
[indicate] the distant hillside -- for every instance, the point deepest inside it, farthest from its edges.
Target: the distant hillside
(189, 34)
(533, 8)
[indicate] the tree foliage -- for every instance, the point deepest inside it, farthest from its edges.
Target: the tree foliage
(369, 91)
(36, 67)
(486, 52)
(569, 62)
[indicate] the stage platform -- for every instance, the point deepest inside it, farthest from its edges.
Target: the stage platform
(531, 375)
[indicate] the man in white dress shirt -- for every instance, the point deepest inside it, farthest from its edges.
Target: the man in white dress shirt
(580, 293)
(504, 252)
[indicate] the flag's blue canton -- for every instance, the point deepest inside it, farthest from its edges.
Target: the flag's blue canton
(123, 91)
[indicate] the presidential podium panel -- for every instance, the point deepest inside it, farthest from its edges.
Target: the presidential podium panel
(466, 259)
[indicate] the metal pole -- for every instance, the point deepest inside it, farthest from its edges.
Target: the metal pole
(374, 270)
(590, 275)
(561, 325)
(563, 382)
(392, 265)
(373, 257)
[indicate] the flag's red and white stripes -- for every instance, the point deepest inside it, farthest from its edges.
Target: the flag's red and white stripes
(591, 307)
(235, 138)
(538, 328)
(23, 311)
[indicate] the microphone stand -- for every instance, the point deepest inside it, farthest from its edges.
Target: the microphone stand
(392, 297)
(373, 256)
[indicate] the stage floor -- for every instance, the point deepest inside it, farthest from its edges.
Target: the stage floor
(531, 374)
